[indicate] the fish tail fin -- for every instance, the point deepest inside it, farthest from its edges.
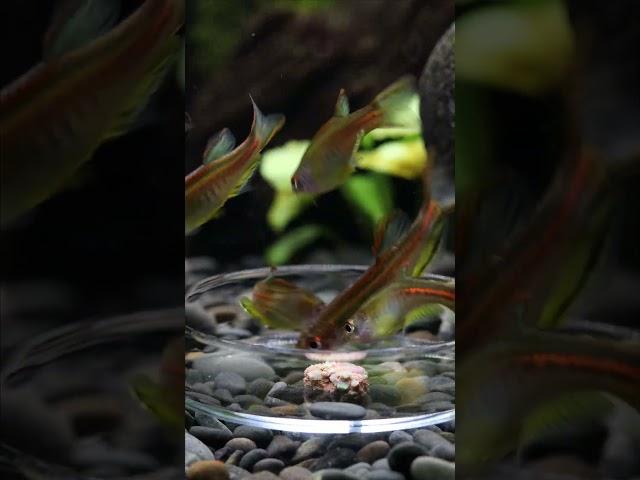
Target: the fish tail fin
(394, 102)
(265, 127)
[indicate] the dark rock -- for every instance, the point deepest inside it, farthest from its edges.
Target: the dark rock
(282, 447)
(272, 465)
(241, 443)
(399, 436)
(335, 458)
(260, 387)
(232, 382)
(337, 411)
(252, 457)
(373, 451)
(261, 436)
(211, 436)
(432, 468)
(401, 456)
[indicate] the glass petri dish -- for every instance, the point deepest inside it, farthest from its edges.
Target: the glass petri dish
(410, 381)
(72, 412)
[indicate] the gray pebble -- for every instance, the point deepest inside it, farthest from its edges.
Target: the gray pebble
(244, 365)
(333, 474)
(232, 382)
(223, 395)
(428, 438)
(224, 330)
(272, 465)
(373, 451)
(312, 448)
(264, 475)
(260, 387)
(236, 473)
(382, 464)
(384, 475)
(282, 447)
(234, 458)
(444, 451)
(195, 447)
(274, 402)
(293, 377)
(358, 469)
(241, 443)
(211, 436)
(399, 436)
(295, 473)
(261, 436)
(290, 393)
(432, 468)
(337, 411)
(245, 401)
(252, 457)
(335, 458)
(401, 456)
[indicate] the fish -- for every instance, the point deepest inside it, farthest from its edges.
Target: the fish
(164, 396)
(544, 267)
(385, 312)
(278, 303)
(501, 385)
(399, 253)
(57, 114)
(225, 170)
(329, 159)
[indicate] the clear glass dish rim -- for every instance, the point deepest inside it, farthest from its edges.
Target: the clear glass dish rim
(77, 336)
(319, 426)
(207, 284)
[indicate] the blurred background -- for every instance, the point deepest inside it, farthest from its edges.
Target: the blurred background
(109, 243)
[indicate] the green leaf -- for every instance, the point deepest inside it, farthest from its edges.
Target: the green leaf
(404, 158)
(285, 207)
(529, 48)
(283, 250)
(279, 164)
(371, 194)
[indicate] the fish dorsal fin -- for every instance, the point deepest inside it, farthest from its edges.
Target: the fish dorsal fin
(342, 104)
(218, 145)
(390, 229)
(78, 22)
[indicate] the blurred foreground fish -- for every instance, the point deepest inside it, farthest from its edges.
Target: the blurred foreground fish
(545, 266)
(279, 303)
(164, 397)
(387, 311)
(329, 160)
(56, 115)
(547, 374)
(225, 171)
(398, 254)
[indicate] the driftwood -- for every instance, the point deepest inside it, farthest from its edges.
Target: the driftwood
(296, 63)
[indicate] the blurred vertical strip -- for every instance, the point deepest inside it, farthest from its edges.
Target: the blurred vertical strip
(92, 277)
(547, 157)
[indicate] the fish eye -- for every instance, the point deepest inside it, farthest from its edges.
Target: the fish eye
(315, 343)
(349, 327)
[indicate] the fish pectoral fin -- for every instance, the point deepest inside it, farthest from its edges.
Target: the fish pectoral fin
(342, 104)
(75, 24)
(390, 229)
(243, 183)
(218, 145)
(552, 418)
(353, 159)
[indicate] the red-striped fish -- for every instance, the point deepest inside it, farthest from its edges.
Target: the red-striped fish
(329, 160)
(56, 115)
(225, 171)
(499, 387)
(408, 257)
(385, 313)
